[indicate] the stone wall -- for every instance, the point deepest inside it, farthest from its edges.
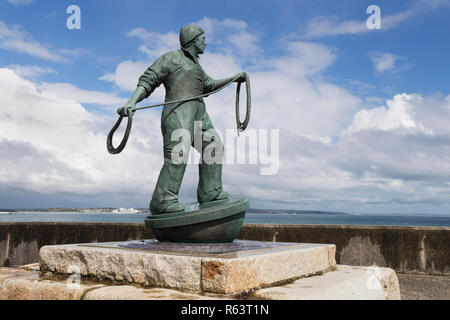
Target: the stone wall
(404, 249)
(20, 241)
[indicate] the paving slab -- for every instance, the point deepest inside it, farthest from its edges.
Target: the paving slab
(424, 287)
(346, 283)
(217, 268)
(22, 284)
(128, 292)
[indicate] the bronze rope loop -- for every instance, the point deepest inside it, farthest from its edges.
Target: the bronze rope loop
(122, 144)
(241, 126)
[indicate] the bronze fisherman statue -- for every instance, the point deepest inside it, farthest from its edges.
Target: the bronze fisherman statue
(183, 77)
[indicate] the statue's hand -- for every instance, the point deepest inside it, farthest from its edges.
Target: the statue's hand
(240, 77)
(126, 110)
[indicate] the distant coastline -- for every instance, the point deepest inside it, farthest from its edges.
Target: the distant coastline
(80, 210)
(280, 211)
(143, 210)
(283, 212)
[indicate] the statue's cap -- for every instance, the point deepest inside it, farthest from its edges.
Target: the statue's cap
(189, 33)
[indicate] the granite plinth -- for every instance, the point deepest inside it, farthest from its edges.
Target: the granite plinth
(225, 268)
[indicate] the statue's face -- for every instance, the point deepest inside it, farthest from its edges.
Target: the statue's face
(200, 43)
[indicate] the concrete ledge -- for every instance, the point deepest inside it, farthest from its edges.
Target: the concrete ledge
(351, 283)
(346, 283)
(20, 284)
(127, 292)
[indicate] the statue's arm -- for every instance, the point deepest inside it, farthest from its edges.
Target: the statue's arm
(211, 84)
(138, 95)
(148, 82)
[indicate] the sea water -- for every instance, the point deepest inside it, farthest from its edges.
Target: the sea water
(260, 218)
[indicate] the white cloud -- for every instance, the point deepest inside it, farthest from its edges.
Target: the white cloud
(405, 142)
(69, 92)
(155, 44)
(235, 44)
(214, 27)
(239, 45)
(383, 61)
(20, 2)
(51, 145)
(388, 63)
(310, 110)
(330, 26)
(29, 71)
(389, 157)
(246, 44)
(286, 94)
(126, 74)
(232, 36)
(400, 113)
(15, 38)
(304, 58)
(73, 53)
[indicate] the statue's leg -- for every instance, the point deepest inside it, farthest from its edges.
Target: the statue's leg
(210, 168)
(165, 196)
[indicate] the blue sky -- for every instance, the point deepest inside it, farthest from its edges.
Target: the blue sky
(360, 112)
(420, 40)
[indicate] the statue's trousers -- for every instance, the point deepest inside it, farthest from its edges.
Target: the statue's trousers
(182, 128)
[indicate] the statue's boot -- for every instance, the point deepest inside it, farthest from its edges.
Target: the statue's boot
(165, 196)
(174, 207)
(221, 196)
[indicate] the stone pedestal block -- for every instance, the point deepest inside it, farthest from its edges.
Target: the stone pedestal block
(225, 268)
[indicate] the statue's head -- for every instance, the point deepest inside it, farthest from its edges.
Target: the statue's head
(192, 35)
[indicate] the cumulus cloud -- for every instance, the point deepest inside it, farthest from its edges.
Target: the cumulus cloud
(28, 71)
(287, 93)
(334, 154)
(232, 45)
(317, 107)
(126, 74)
(306, 110)
(388, 63)
(326, 26)
(231, 36)
(401, 151)
(400, 113)
(155, 44)
(15, 38)
(20, 2)
(67, 91)
(329, 26)
(51, 145)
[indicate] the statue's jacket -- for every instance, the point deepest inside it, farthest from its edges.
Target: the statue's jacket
(183, 77)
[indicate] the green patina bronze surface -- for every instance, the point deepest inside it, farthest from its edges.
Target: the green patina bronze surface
(183, 77)
(217, 218)
(217, 221)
